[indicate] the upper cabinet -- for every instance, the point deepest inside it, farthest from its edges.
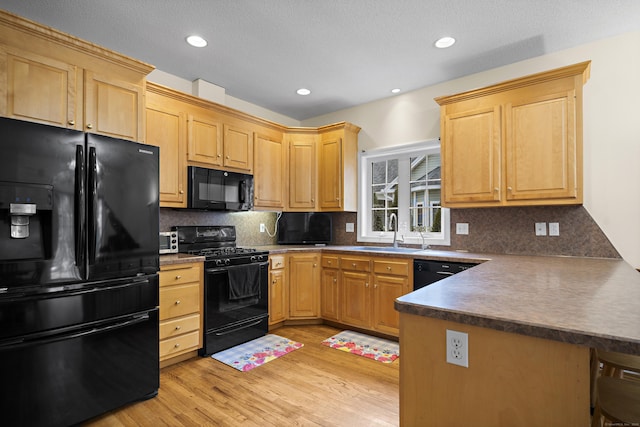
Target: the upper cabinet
(516, 143)
(338, 168)
(53, 78)
(269, 169)
(302, 172)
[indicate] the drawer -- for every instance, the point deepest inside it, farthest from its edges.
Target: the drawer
(179, 300)
(174, 346)
(276, 262)
(355, 264)
(179, 326)
(177, 276)
(397, 268)
(330, 261)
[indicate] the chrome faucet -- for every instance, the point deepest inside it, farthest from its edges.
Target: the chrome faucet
(395, 230)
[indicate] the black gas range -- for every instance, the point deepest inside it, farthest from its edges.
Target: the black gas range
(217, 243)
(236, 292)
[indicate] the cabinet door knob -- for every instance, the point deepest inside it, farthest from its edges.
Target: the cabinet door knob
(72, 122)
(337, 198)
(366, 285)
(375, 286)
(177, 302)
(178, 328)
(389, 268)
(178, 277)
(227, 157)
(315, 265)
(89, 126)
(181, 191)
(335, 280)
(313, 200)
(509, 188)
(496, 189)
(353, 265)
(274, 281)
(221, 156)
(177, 345)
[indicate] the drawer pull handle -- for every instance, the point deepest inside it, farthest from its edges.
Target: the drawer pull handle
(177, 302)
(353, 265)
(389, 268)
(178, 327)
(178, 277)
(177, 345)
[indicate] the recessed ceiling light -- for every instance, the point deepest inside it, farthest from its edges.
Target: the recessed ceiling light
(196, 41)
(396, 90)
(303, 91)
(445, 42)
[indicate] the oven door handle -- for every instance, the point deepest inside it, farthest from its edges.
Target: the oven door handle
(238, 327)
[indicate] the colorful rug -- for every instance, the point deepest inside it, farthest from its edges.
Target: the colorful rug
(245, 357)
(379, 349)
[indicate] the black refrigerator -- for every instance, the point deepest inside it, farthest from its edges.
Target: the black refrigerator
(78, 274)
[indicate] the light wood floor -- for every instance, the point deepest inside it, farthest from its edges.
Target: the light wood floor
(312, 386)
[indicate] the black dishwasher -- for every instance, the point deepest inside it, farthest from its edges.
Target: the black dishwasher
(426, 272)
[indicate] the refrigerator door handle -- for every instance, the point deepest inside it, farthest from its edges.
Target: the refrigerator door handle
(93, 203)
(79, 334)
(79, 208)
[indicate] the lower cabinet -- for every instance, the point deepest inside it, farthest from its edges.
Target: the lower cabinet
(353, 290)
(278, 305)
(329, 288)
(304, 285)
(391, 279)
(181, 299)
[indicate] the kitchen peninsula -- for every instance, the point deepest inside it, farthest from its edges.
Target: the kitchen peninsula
(530, 323)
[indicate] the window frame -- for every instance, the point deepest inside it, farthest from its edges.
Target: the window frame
(403, 153)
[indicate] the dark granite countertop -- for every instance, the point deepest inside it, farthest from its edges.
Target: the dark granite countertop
(587, 301)
(169, 259)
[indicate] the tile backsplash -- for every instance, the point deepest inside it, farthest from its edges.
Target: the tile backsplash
(491, 230)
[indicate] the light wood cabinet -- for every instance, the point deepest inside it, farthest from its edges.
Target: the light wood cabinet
(181, 299)
(330, 288)
(302, 173)
(304, 285)
(238, 148)
(204, 139)
(269, 172)
(278, 304)
(391, 279)
(515, 143)
(355, 280)
(53, 78)
(166, 128)
(338, 169)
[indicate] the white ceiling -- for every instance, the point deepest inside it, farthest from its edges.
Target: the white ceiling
(347, 52)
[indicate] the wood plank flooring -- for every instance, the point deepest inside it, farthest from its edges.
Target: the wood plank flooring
(312, 386)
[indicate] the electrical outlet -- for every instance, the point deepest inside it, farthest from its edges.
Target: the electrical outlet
(458, 348)
(462, 228)
(263, 228)
(541, 228)
(554, 229)
(349, 227)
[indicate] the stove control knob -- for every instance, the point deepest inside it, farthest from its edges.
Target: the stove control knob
(254, 258)
(227, 261)
(219, 263)
(260, 258)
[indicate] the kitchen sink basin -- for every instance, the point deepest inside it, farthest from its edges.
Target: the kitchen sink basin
(382, 249)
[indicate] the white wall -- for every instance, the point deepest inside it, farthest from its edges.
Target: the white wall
(214, 93)
(611, 127)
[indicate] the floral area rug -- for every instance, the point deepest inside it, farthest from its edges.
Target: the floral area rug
(379, 349)
(245, 357)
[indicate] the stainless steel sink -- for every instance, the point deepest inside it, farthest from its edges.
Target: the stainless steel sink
(381, 249)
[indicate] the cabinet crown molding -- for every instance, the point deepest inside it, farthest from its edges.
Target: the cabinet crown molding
(581, 68)
(47, 33)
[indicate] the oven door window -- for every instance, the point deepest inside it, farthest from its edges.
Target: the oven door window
(221, 308)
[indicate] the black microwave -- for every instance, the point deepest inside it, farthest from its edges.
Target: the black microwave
(214, 189)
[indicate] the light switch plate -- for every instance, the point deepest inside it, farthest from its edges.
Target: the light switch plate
(554, 229)
(349, 227)
(462, 228)
(541, 228)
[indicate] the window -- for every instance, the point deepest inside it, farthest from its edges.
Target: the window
(400, 190)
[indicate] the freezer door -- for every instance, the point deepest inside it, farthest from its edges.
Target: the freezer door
(123, 207)
(41, 205)
(68, 376)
